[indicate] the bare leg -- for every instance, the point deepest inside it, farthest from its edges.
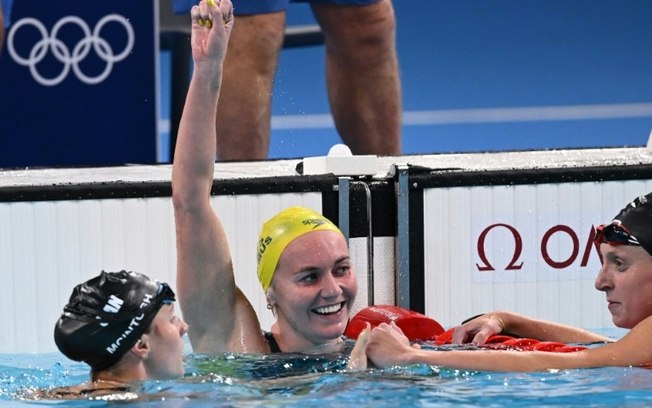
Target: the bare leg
(2, 30)
(244, 109)
(362, 75)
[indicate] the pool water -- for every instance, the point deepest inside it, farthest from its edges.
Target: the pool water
(321, 381)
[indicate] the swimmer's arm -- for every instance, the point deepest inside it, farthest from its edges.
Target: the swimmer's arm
(384, 350)
(484, 360)
(220, 317)
(478, 330)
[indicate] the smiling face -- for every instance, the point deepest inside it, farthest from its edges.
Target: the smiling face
(165, 339)
(626, 279)
(313, 289)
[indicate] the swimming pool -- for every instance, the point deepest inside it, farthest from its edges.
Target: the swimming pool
(319, 381)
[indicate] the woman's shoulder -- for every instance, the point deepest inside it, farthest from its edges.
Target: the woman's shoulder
(106, 392)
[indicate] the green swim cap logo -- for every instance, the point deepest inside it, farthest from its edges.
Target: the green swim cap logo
(315, 222)
(263, 244)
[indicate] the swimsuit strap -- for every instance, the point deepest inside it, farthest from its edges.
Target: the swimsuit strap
(273, 344)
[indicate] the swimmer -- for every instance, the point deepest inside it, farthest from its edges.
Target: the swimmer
(625, 277)
(123, 325)
(304, 265)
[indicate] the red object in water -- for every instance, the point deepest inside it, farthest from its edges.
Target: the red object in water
(416, 326)
(419, 327)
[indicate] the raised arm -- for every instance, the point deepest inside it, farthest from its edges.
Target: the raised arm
(479, 329)
(220, 317)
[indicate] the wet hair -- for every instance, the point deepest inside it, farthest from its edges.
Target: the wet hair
(107, 315)
(636, 217)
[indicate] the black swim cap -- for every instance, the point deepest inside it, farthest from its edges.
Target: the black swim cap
(106, 315)
(636, 217)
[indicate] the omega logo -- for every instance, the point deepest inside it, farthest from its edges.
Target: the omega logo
(516, 263)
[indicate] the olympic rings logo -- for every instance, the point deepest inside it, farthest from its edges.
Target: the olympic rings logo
(70, 59)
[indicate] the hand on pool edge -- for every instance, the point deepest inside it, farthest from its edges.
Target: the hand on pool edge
(479, 329)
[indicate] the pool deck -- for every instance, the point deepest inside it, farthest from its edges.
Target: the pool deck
(518, 160)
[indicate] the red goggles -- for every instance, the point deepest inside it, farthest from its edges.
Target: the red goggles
(615, 234)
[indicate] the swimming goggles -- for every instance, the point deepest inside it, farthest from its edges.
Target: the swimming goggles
(615, 234)
(165, 294)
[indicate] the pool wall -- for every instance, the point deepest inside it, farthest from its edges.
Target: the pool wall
(526, 248)
(59, 227)
(452, 235)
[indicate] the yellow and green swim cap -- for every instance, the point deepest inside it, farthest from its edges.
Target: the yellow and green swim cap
(279, 231)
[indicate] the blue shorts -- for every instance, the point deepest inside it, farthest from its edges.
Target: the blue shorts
(247, 7)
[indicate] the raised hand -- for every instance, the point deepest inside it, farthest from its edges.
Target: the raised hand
(212, 21)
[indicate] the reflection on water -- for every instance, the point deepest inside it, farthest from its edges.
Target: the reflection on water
(320, 381)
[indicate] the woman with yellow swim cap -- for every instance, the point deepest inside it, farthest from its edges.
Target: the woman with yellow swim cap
(305, 269)
(303, 258)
